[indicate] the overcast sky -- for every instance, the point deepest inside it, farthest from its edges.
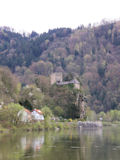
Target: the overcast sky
(41, 15)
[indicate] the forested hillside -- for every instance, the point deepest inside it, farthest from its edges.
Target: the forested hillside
(90, 53)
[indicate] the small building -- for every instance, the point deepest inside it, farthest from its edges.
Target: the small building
(25, 115)
(37, 115)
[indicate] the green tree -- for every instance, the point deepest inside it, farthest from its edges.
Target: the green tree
(65, 97)
(58, 111)
(91, 115)
(31, 97)
(9, 114)
(47, 115)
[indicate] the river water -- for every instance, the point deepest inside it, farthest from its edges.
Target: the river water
(84, 144)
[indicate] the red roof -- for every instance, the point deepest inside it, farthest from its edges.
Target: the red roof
(38, 111)
(27, 111)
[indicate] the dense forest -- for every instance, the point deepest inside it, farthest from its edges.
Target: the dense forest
(92, 54)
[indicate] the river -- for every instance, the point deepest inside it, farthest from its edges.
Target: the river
(84, 144)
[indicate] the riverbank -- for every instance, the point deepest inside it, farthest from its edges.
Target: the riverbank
(3, 130)
(39, 126)
(111, 123)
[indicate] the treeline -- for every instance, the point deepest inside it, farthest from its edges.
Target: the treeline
(90, 53)
(25, 49)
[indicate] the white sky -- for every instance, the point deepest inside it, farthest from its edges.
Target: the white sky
(41, 15)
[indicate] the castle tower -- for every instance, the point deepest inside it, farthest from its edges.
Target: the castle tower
(56, 77)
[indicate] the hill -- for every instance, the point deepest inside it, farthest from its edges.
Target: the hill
(90, 53)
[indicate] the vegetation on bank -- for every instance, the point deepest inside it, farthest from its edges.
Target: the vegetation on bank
(62, 100)
(10, 120)
(109, 118)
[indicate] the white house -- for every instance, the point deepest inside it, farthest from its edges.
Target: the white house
(25, 115)
(37, 115)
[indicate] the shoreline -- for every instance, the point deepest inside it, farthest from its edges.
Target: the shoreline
(52, 126)
(40, 127)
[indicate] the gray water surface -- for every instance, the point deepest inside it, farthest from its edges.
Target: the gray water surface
(100, 144)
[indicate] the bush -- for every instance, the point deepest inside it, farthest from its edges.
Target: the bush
(60, 125)
(47, 114)
(91, 115)
(9, 114)
(112, 115)
(58, 111)
(101, 115)
(69, 120)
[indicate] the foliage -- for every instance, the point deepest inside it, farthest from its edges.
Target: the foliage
(110, 116)
(90, 53)
(9, 86)
(9, 114)
(31, 97)
(43, 83)
(65, 98)
(58, 111)
(37, 126)
(101, 115)
(42, 68)
(91, 115)
(47, 114)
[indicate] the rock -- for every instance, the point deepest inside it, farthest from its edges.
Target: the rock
(90, 124)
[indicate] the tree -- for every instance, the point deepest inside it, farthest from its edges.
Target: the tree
(65, 97)
(31, 97)
(69, 77)
(42, 68)
(9, 113)
(47, 114)
(9, 86)
(34, 34)
(58, 111)
(43, 83)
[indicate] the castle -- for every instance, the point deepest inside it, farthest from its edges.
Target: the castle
(57, 78)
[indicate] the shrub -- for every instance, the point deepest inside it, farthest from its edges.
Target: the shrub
(47, 114)
(91, 115)
(112, 115)
(9, 114)
(70, 120)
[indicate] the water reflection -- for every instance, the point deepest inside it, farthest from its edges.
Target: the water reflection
(100, 144)
(34, 143)
(16, 146)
